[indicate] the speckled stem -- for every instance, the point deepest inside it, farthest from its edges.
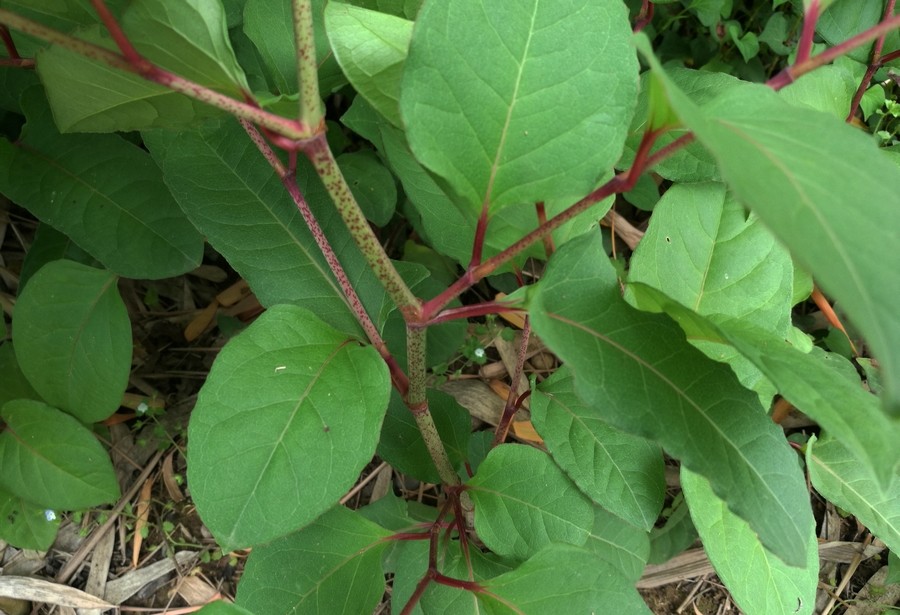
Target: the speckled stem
(307, 71)
(326, 166)
(418, 404)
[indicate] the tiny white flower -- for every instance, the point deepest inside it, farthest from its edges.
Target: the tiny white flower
(479, 352)
(49, 515)
(142, 407)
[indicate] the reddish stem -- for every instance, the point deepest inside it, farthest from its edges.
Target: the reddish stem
(139, 62)
(512, 399)
(480, 234)
(469, 311)
(810, 18)
(623, 182)
(792, 73)
(17, 63)
(549, 248)
(874, 65)
(644, 17)
(889, 57)
(288, 179)
(9, 43)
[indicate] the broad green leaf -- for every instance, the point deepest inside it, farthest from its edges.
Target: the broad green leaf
(812, 384)
(370, 47)
(189, 38)
(849, 484)
(401, 443)
(758, 581)
(233, 196)
(73, 339)
(828, 89)
(293, 408)
(845, 19)
(703, 250)
(439, 211)
(25, 525)
(270, 25)
(789, 165)
(649, 381)
(89, 96)
(776, 33)
(39, 469)
(559, 580)
(490, 122)
(13, 383)
(103, 192)
(523, 502)
(330, 567)
(821, 385)
(622, 545)
(619, 471)
(372, 185)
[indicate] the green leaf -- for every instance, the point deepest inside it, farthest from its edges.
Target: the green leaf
(370, 47)
(828, 89)
(652, 383)
(490, 122)
(839, 476)
(372, 185)
(703, 250)
(89, 96)
(231, 194)
(25, 525)
(777, 33)
(189, 38)
(39, 469)
(270, 25)
(439, 212)
(401, 443)
(13, 383)
(103, 192)
(758, 581)
(619, 471)
(220, 607)
(789, 166)
(747, 43)
(523, 502)
(819, 384)
(73, 339)
(330, 567)
(559, 580)
(843, 20)
(810, 382)
(293, 408)
(622, 545)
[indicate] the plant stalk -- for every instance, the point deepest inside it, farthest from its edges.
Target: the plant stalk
(327, 168)
(307, 71)
(280, 125)
(417, 402)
